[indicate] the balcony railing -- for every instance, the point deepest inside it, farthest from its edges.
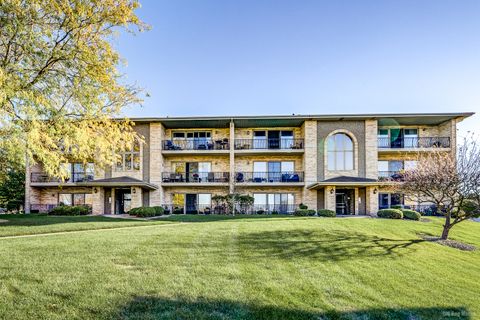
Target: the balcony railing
(259, 144)
(196, 144)
(268, 177)
(414, 142)
(74, 177)
(195, 177)
(390, 176)
(223, 209)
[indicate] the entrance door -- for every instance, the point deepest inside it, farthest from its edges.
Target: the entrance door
(191, 203)
(123, 201)
(344, 199)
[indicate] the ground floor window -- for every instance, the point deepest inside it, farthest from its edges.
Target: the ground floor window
(192, 202)
(269, 202)
(387, 200)
(75, 199)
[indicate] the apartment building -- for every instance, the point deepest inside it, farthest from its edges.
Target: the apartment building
(346, 163)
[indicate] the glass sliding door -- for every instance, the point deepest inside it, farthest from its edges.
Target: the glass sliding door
(286, 139)
(259, 140)
(259, 171)
(204, 202)
(274, 171)
(410, 138)
(204, 169)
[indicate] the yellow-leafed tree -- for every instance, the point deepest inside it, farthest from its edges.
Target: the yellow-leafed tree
(60, 87)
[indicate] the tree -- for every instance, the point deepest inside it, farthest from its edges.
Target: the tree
(59, 83)
(451, 184)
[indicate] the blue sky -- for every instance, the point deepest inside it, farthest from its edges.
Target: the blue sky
(229, 57)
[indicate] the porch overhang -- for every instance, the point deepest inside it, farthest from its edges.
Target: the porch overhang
(344, 181)
(120, 182)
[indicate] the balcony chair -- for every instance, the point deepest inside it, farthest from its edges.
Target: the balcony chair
(169, 145)
(239, 177)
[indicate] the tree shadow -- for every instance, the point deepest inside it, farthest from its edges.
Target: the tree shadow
(214, 217)
(149, 307)
(43, 220)
(327, 245)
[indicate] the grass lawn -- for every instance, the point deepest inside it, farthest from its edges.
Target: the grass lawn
(241, 268)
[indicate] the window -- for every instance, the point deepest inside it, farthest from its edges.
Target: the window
(387, 200)
(340, 152)
(280, 202)
(129, 160)
(75, 199)
(410, 164)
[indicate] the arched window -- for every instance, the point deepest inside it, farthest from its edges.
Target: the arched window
(340, 152)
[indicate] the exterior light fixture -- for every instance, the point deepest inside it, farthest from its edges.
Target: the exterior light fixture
(375, 191)
(94, 190)
(134, 190)
(332, 190)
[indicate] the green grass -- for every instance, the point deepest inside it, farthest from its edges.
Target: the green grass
(39, 223)
(241, 268)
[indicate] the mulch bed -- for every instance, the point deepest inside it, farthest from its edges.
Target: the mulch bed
(450, 243)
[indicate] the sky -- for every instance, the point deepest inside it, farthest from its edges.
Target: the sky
(262, 57)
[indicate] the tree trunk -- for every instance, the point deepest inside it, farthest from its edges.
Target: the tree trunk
(445, 232)
(446, 227)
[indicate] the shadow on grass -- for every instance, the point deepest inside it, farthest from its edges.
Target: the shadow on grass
(159, 308)
(216, 217)
(43, 219)
(327, 245)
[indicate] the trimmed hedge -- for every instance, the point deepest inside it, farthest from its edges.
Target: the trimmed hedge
(326, 213)
(304, 212)
(411, 214)
(390, 214)
(69, 211)
(303, 206)
(146, 211)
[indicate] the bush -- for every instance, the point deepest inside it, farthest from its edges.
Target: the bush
(303, 206)
(143, 212)
(158, 210)
(326, 213)
(390, 214)
(261, 211)
(177, 210)
(274, 212)
(396, 206)
(304, 212)
(411, 214)
(69, 211)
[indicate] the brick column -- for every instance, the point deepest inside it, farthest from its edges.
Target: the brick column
(330, 199)
(371, 149)
(232, 157)
(371, 201)
(136, 193)
(157, 135)
(310, 163)
(98, 194)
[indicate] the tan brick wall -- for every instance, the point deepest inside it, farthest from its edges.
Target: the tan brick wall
(310, 163)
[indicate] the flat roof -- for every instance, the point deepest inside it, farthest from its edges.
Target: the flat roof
(385, 119)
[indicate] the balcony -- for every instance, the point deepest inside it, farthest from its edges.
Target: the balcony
(284, 144)
(195, 177)
(206, 144)
(269, 177)
(390, 176)
(40, 177)
(414, 143)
